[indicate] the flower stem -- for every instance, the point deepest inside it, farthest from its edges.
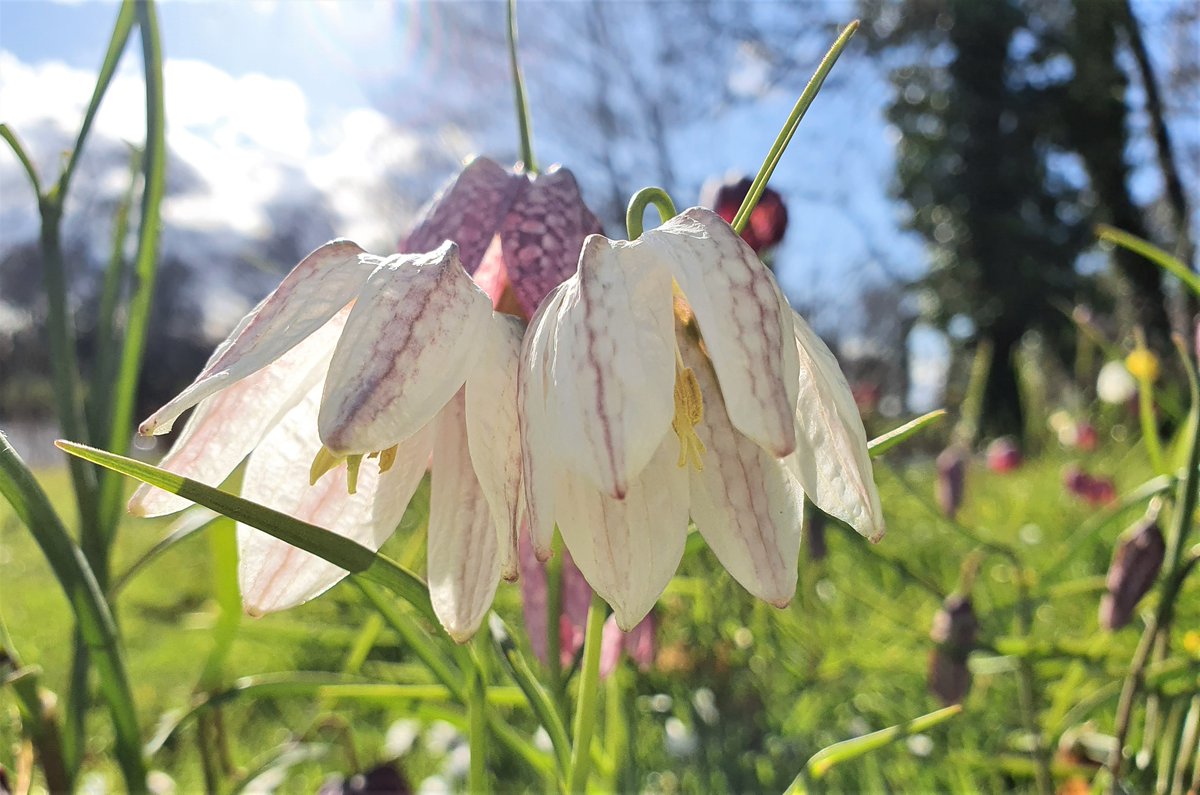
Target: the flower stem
(637, 209)
(523, 124)
(789, 128)
(589, 696)
(477, 706)
(554, 602)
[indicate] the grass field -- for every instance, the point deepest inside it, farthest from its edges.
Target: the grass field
(741, 695)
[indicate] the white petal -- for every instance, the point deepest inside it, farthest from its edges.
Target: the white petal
(464, 559)
(832, 462)
(493, 433)
(409, 343)
(628, 549)
(613, 364)
(744, 319)
(275, 575)
(228, 425)
(324, 282)
(539, 460)
(744, 502)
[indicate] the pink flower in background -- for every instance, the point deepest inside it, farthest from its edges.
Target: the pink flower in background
(768, 221)
(1086, 438)
(639, 642)
(1003, 455)
(1090, 488)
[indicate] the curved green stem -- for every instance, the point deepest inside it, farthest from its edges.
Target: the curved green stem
(523, 124)
(789, 128)
(637, 209)
(477, 735)
(589, 696)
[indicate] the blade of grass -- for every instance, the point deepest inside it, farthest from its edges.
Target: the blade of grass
(154, 159)
(341, 552)
(1162, 259)
(881, 444)
(539, 700)
(222, 540)
(87, 601)
(31, 174)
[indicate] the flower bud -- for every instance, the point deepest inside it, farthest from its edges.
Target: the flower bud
(1093, 489)
(1142, 364)
(955, 629)
(951, 479)
(1134, 568)
(768, 220)
(1115, 385)
(1003, 455)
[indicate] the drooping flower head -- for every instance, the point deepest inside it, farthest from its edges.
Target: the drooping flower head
(359, 371)
(1135, 566)
(768, 220)
(669, 378)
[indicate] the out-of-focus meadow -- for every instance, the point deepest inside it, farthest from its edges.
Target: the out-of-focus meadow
(942, 198)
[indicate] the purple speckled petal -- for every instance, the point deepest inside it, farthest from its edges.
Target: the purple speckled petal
(468, 211)
(542, 236)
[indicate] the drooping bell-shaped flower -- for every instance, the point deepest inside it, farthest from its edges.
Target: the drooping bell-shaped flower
(377, 369)
(768, 220)
(1135, 566)
(669, 378)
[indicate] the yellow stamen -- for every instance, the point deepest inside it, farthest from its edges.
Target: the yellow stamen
(352, 464)
(322, 463)
(386, 459)
(689, 412)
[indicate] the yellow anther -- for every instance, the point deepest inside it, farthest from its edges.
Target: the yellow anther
(352, 464)
(386, 459)
(689, 412)
(322, 463)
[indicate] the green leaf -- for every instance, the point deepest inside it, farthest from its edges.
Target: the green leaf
(827, 758)
(537, 696)
(8, 135)
(881, 444)
(1162, 259)
(129, 369)
(341, 552)
(92, 612)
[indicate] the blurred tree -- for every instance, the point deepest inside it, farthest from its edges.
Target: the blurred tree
(1014, 133)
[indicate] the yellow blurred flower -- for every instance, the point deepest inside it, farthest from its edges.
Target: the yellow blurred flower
(1142, 364)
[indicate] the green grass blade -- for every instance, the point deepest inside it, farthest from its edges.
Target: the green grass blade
(223, 546)
(881, 444)
(341, 552)
(108, 336)
(539, 699)
(154, 160)
(116, 46)
(8, 135)
(825, 759)
(92, 613)
(1162, 259)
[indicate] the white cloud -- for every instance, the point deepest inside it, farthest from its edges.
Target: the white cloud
(250, 139)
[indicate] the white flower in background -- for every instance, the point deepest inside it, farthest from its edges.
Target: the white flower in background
(357, 356)
(669, 377)
(1115, 384)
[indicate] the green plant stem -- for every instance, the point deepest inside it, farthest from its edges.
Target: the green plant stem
(145, 269)
(477, 710)
(789, 128)
(554, 602)
(589, 696)
(1028, 690)
(523, 124)
(1171, 264)
(635, 212)
(92, 613)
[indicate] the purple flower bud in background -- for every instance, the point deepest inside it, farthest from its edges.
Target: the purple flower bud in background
(955, 629)
(768, 220)
(1003, 455)
(1090, 488)
(951, 479)
(814, 535)
(1134, 568)
(385, 779)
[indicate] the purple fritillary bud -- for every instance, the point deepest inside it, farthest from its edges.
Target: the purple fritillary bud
(954, 632)
(768, 220)
(1092, 489)
(576, 597)
(1134, 568)
(468, 211)
(1003, 455)
(612, 643)
(385, 779)
(542, 235)
(951, 480)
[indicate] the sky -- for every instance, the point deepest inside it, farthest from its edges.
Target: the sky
(274, 104)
